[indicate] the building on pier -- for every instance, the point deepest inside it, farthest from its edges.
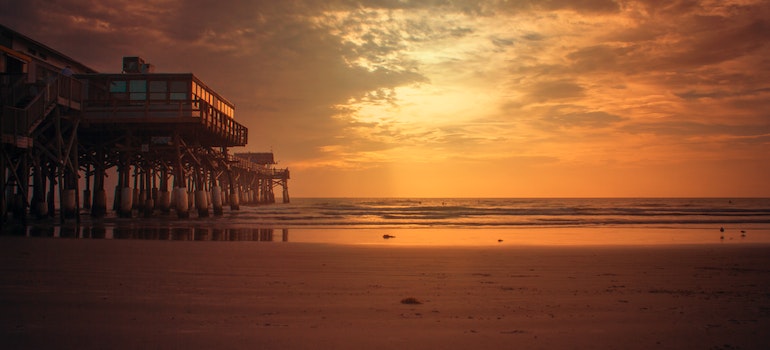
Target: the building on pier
(167, 136)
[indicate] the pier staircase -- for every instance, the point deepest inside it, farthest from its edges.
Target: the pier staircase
(25, 106)
(38, 125)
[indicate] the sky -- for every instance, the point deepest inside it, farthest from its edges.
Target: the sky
(462, 98)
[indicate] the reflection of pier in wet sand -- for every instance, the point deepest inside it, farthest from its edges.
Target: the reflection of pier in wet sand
(157, 233)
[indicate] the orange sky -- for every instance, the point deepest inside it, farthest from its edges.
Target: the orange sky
(518, 98)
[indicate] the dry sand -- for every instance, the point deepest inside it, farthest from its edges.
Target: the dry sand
(131, 294)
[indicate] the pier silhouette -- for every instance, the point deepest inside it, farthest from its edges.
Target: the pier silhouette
(166, 137)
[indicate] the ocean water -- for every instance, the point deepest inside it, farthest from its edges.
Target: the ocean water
(457, 221)
(511, 212)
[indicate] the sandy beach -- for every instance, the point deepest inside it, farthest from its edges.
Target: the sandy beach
(128, 294)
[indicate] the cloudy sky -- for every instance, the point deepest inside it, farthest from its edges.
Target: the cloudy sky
(447, 98)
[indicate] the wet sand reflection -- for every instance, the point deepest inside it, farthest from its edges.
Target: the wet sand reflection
(162, 233)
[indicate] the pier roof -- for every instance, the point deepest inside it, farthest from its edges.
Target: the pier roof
(27, 49)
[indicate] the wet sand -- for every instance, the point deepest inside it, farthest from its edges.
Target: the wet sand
(128, 294)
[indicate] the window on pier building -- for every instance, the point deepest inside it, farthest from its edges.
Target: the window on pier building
(137, 90)
(153, 90)
(119, 89)
(203, 95)
(158, 90)
(179, 90)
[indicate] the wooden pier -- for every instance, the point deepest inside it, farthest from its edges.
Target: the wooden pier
(166, 138)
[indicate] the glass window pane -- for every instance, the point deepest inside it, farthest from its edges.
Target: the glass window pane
(157, 95)
(178, 96)
(138, 86)
(179, 86)
(158, 86)
(118, 86)
(138, 96)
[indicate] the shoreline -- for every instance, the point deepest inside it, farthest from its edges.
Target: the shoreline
(209, 230)
(95, 293)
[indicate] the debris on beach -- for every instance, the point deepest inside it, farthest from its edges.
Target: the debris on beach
(410, 300)
(387, 236)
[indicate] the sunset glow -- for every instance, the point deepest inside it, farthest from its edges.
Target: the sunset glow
(464, 98)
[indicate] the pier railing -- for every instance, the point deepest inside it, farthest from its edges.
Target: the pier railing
(261, 169)
(115, 111)
(70, 91)
(219, 123)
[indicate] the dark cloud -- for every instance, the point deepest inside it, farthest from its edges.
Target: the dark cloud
(552, 91)
(599, 57)
(579, 6)
(21, 15)
(722, 43)
(669, 7)
(597, 6)
(694, 95)
(721, 93)
(570, 121)
(752, 104)
(690, 128)
(596, 119)
(502, 43)
(533, 36)
(689, 40)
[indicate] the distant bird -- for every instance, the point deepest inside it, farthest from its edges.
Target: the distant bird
(499, 240)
